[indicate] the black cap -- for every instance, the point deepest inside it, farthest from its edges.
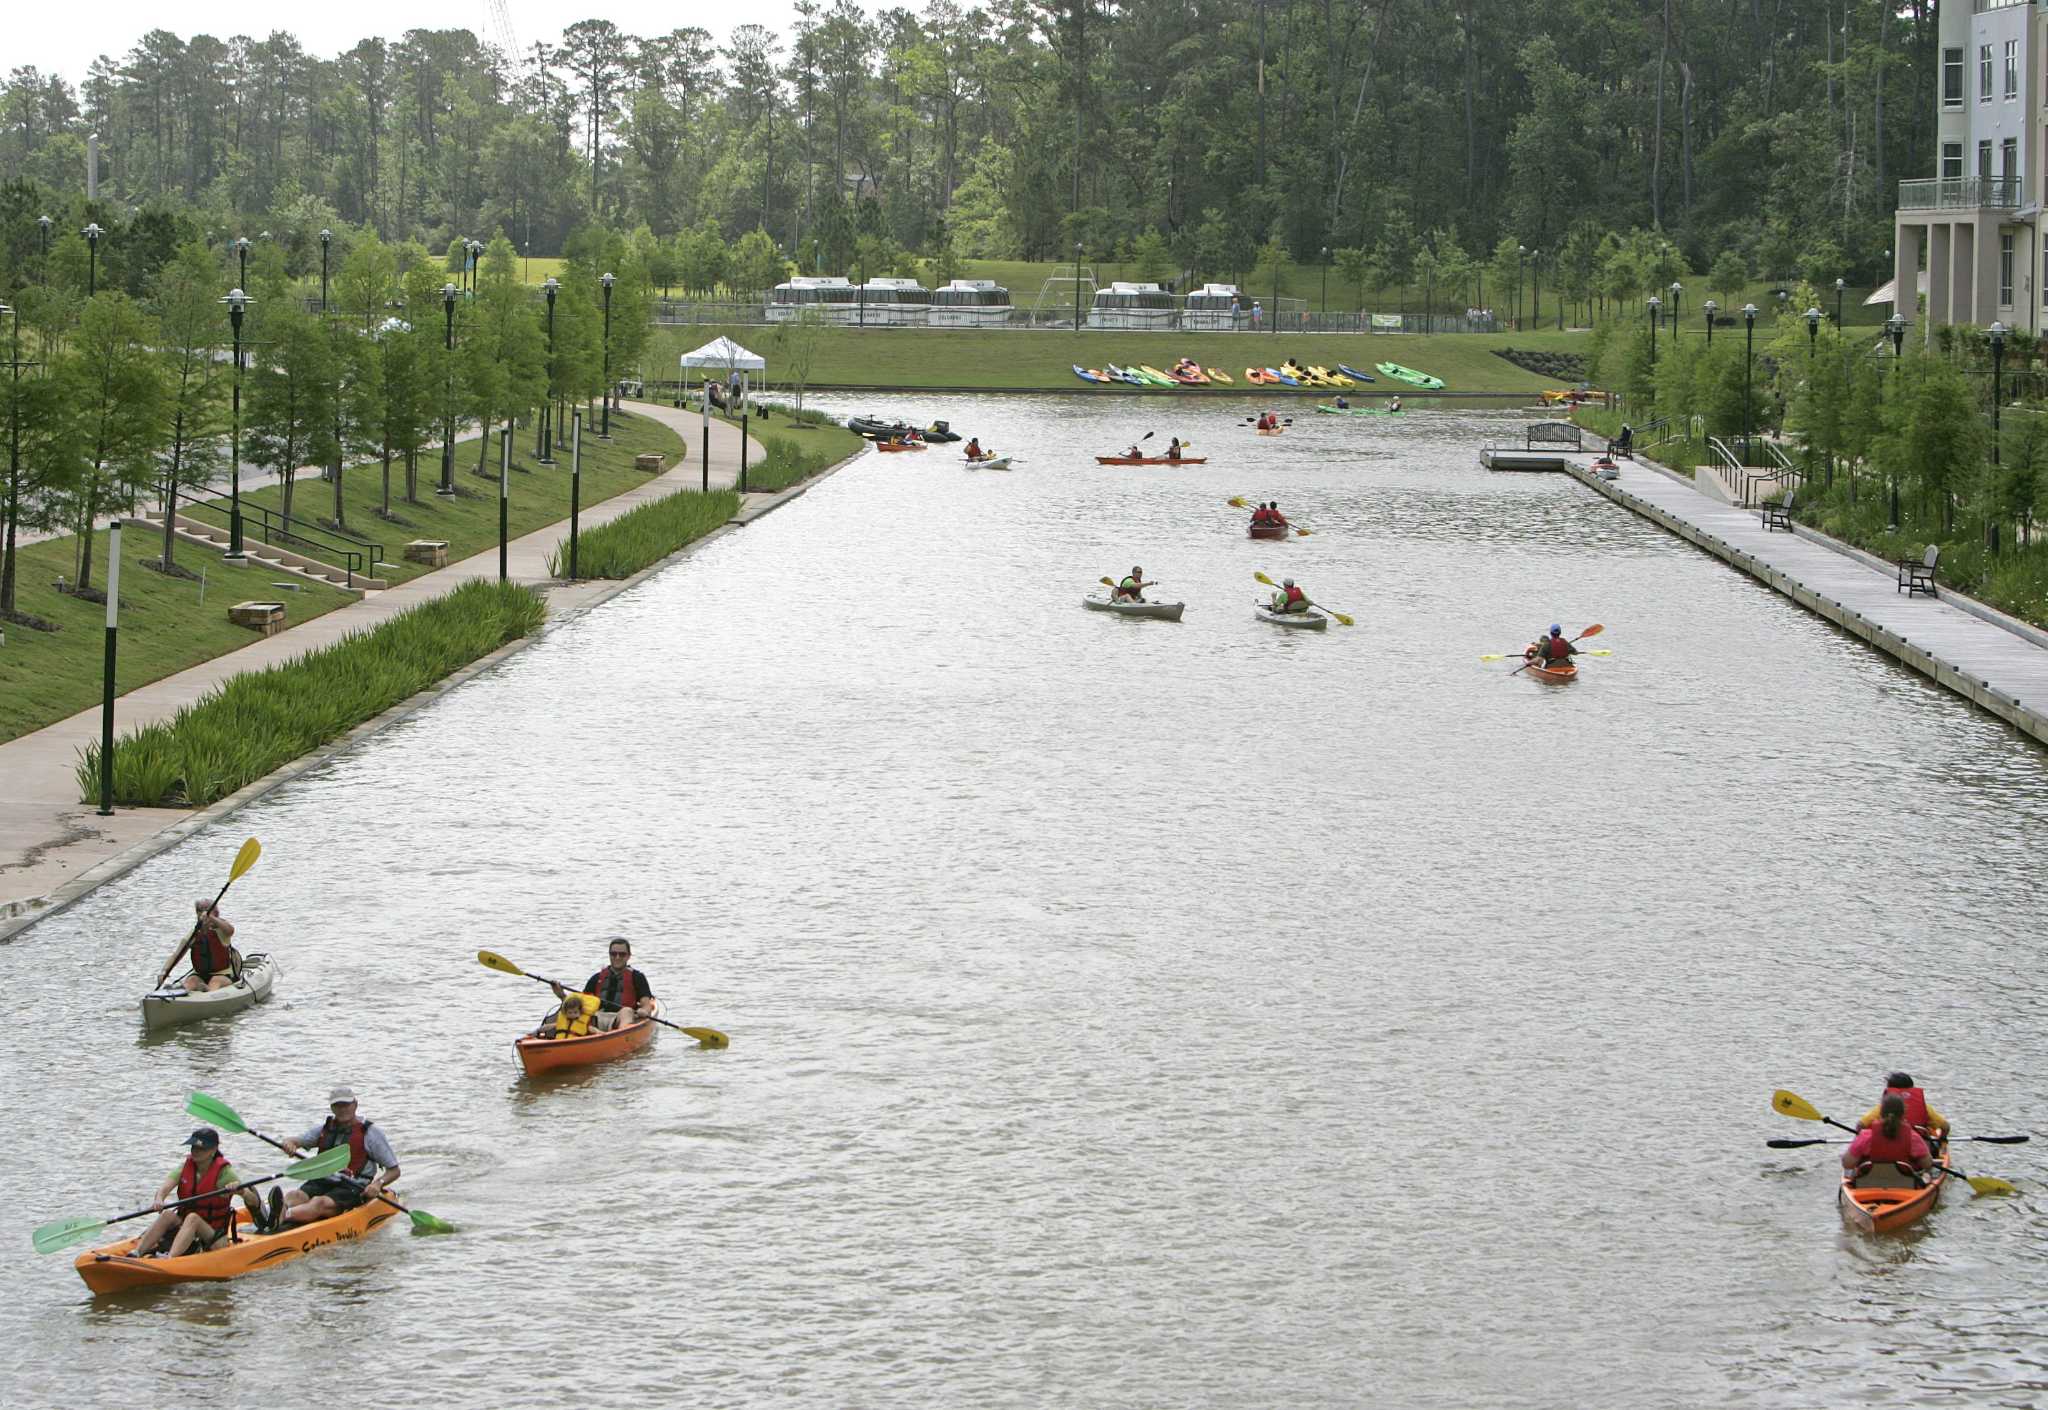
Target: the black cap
(205, 1136)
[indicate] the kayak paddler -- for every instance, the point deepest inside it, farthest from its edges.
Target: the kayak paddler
(619, 987)
(973, 451)
(1393, 403)
(1135, 453)
(1892, 1138)
(571, 1020)
(1342, 403)
(214, 961)
(1173, 449)
(202, 1224)
(1919, 1114)
(1132, 588)
(1554, 648)
(372, 1164)
(1290, 598)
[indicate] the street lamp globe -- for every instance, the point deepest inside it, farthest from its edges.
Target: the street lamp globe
(1812, 318)
(1712, 308)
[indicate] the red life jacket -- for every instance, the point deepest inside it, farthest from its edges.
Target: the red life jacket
(615, 988)
(358, 1135)
(191, 1181)
(209, 955)
(1557, 648)
(1294, 595)
(1899, 1147)
(1916, 1106)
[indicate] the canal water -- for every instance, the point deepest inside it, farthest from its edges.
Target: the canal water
(1123, 1013)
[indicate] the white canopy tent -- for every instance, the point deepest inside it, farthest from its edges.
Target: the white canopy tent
(722, 355)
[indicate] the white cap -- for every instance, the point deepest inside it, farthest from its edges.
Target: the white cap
(341, 1094)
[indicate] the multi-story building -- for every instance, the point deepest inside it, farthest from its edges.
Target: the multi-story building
(1971, 234)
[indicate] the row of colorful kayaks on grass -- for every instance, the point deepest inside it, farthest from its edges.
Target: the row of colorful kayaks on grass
(1288, 374)
(1184, 374)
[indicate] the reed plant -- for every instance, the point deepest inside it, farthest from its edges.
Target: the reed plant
(644, 536)
(261, 720)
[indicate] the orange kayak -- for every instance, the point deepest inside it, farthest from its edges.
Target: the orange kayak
(1150, 460)
(110, 1270)
(538, 1055)
(1893, 1201)
(1566, 672)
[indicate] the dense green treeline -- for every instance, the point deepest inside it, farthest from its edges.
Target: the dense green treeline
(1217, 134)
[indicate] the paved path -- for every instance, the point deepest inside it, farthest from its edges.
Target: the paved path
(1994, 660)
(47, 836)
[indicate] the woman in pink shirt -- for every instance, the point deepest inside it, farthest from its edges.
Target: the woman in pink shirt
(1891, 1139)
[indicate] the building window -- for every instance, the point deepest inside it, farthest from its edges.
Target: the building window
(2012, 69)
(2005, 270)
(1984, 159)
(2009, 163)
(1983, 73)
(1952, 161)
(1951, 78)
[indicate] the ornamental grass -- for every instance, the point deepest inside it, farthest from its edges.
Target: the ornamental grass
(261, 720)
(644, 536)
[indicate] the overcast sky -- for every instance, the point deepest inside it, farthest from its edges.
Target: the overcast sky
(52, 37)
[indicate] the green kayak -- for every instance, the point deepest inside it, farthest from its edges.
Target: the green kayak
(1409, 374)
(1356, 411)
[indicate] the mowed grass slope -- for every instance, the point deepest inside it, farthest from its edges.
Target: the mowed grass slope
(1016, 359)
(469, 522)
(165, 626)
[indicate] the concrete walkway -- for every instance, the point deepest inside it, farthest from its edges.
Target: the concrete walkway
(1982, 654)
(47, 837)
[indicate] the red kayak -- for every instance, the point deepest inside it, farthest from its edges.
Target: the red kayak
(1267, 531)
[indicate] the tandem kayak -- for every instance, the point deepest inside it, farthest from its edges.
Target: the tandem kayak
(1885, 1199)
(1267, 531)
(538, 1055)
(1408, 374)
(1557, 674)
(1357, 411)
(1311, 620)
(1162, 611)
(1150, 460)
(990, 462)
(899, 445)
(111, 1270)
(174, 1004)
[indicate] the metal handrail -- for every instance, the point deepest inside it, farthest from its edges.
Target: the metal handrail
(273, 529)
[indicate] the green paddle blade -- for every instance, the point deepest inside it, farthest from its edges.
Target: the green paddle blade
(329, 1162)
(425, 1223)
(215, 1112)
(65, 1232)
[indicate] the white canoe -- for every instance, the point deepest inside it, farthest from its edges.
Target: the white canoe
(173, 1004)
(998, 462)
(1164, 611)
(1311, 620)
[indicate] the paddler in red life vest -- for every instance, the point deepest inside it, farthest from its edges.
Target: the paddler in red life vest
(1132, 588)
(1553, 649)
(214, 961)
(205, 1221)
(619, 987)
(371, 1166)
(1290, 598)
(1919, 1115)
(973, 451)
(1892, 1138)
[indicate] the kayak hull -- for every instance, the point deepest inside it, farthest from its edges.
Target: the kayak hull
(1309, 621)
(1266, 531)
(538, 1055)
(1150, 460)
(1409, 375)
(1158, 611)
(1555, 675)
(1272, 430)
(992, 462)
(1349, 371)
(1886, 1211)
(1357, 411)
(172, 1006)
(109, 1269)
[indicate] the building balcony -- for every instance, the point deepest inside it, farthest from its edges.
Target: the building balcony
(1944, 193)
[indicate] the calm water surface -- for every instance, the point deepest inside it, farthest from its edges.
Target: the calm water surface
(1123, 1013)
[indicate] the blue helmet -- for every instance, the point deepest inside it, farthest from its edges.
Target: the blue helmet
(1556, 630)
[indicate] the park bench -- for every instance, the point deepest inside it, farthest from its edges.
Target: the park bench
(1778, 515)
(1919, 577)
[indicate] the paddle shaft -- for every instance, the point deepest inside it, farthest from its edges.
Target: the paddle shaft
(1595, 630)
(194, 1199)
(602, 1003)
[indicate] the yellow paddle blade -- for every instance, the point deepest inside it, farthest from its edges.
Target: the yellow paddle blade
(1990, 1185)
(1795, 1106)
(1342, 620)
(246, 858)
(1303, 532)
(1264, 579)
(1236, 501)
(498, 962)
(1499, 656)
(709, 1037)
(1105, 582)
(1602, 652)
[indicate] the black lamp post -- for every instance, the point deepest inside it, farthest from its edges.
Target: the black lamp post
(1840, 286)
(1654, 304)
(1326, 279)
(1748, 357)
(447, 488)
(605, 431)
(1997, 331)
(241, 247)
(1711, 309)
(475, 251)
(1896, 326)
(326, 239)
(238, 304)
(43, 224)
(1077, 286)
(1812, 331)
(1677, 303)
(1536, 288)
(550, 286)
(92, 235)
(1521, 253)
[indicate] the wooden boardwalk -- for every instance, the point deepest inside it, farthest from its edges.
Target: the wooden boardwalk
(1983, 655)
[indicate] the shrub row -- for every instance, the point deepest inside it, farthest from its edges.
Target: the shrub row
(646, 535)
(261, 720)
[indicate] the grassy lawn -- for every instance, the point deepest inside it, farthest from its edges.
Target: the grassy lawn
(796, 450)
(165, 627)
(469, 522)
(1002, 358)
